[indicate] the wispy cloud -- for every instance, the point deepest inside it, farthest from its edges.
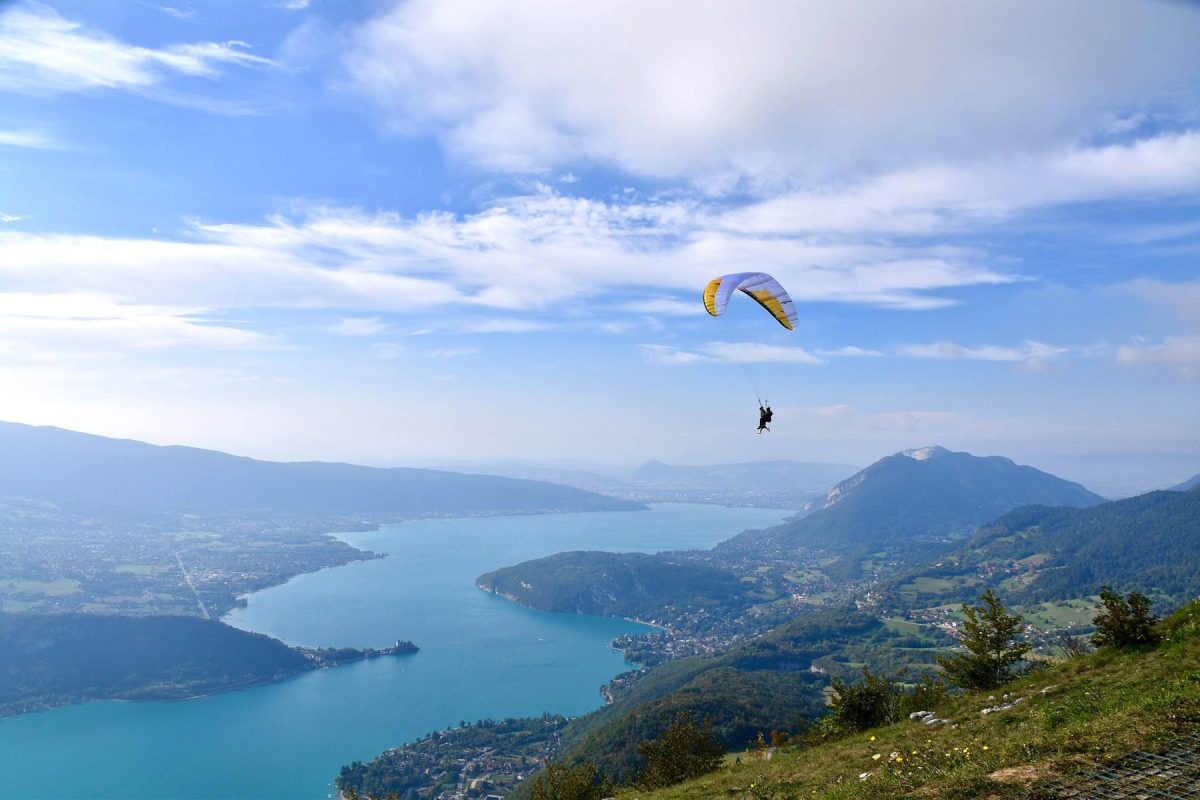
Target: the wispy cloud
(178, 12)
(549, 253)
(360, 326)
(63, 325)
(940, 199)
(851, 351)
(1179, 352)
(10, 218)
(452, 352)
(667, 355)
(506, 326)
(522, 253)
(1180, 298)
(953, 351)
(37, 140)
(665, 306)
(728, 353)
(42, 52)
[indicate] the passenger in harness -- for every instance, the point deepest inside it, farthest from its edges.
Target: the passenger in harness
(764, 417)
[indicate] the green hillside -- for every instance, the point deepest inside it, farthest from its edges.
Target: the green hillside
(761, 685)
(53, 659)
(634, 585)
(1150, 543)
(1071, 718)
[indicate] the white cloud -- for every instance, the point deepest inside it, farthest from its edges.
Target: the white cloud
(953, 351)
(67, 325)
(1181, 298)
(1180, 352)
(851, 351)
(360, 326)
(664, 354)
(452, 352)
(506, 326)
(43, 52)
(545, 251)
(797, 88)
(10, 218)
(757, 353)
(32, 139)
(523, 253)
(728, 353)
(663, 305)
(177, 12)
(937, 199)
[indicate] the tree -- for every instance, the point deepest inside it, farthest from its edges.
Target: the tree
(988, 634)
(867, 704)
(684, 750)
(563, 782)
(1124, 623)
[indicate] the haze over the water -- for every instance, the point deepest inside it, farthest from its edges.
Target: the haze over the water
(392, 232)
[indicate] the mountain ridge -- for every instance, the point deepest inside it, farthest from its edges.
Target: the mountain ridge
(83, 470)
(925, 497)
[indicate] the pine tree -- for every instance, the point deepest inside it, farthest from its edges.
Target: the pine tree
(988, 634)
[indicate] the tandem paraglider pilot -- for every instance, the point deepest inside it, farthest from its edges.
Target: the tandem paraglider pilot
(764, 417)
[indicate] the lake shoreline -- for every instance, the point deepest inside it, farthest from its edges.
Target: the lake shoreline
(480, 658)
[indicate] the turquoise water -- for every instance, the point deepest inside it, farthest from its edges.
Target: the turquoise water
(481, 656)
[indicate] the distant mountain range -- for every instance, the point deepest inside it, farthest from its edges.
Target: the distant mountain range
(1120, 474)
(783, 484)
(918, 499)
(81, 471)
(777, 476)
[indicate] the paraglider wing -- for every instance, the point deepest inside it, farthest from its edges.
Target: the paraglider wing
(759, 285)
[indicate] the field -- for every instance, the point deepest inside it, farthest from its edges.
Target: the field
(55, 588)
(1062, 614)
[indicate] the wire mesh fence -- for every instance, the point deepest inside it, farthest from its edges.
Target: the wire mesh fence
(1173, 774)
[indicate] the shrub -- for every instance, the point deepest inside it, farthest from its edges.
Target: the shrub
(869, 703)
(683, 751)
(1122, 622)
(563, 782)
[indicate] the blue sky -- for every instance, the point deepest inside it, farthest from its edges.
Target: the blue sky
(399, 232)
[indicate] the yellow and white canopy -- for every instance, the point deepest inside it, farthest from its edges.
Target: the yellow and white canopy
(759, 285)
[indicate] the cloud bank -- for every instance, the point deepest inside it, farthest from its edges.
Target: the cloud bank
(796, 89)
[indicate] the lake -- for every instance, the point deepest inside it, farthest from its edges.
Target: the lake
(481, 656)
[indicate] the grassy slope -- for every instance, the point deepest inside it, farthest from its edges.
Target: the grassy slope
(1100, 707)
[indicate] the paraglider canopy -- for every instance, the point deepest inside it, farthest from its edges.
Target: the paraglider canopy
(759, 285)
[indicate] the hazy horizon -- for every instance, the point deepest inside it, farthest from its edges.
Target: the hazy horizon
(403, 232)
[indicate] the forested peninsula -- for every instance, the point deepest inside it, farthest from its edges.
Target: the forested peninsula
(57, 659)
